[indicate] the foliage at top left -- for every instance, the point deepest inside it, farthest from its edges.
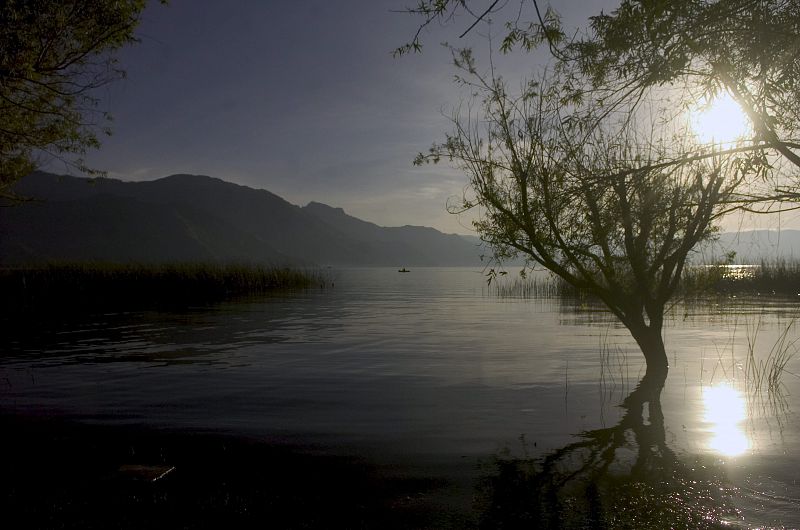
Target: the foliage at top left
(53, 58)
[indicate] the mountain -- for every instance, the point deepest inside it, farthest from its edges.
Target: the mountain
(428, 246)
(200, 218)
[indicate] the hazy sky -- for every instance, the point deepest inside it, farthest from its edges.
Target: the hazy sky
(301, 98)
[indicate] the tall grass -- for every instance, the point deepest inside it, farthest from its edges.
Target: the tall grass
(615, 372)
(766, 373)
(759, 372)
(81, 285)
(531, 286)
(776, 277)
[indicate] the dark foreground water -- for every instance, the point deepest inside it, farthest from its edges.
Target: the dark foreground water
(512, 403)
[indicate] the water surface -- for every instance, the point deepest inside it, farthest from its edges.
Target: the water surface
(430, 369)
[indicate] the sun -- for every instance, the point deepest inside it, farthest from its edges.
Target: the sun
(720, 121)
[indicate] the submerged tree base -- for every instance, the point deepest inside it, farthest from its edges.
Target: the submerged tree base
(99, 285)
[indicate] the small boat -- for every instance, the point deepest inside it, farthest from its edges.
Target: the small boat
(403, 270)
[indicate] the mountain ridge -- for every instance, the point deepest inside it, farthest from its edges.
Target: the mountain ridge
(203, 218)
(185, 217)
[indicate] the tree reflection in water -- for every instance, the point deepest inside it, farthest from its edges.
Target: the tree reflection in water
(623, 476)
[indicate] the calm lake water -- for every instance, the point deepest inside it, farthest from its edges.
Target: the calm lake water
(431, 371)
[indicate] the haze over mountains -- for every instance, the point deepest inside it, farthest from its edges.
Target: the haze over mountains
(751, 246)
(199, 218)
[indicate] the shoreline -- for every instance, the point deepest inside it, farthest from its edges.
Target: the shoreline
(89, 286)
(61, 473)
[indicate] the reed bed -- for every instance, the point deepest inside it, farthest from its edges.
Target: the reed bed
(776, 277)
(81, 285)
(531, 286)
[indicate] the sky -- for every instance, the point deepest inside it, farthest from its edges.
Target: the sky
(301, 98)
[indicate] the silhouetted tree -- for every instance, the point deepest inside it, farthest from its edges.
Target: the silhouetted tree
(53, 55)
(748, 48)
(610, 206)
(591, 170)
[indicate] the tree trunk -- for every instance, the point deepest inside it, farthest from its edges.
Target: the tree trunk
(652, 344)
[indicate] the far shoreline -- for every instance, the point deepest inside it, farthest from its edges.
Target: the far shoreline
(71, 286)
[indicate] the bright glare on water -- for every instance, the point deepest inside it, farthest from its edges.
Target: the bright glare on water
(725, 412)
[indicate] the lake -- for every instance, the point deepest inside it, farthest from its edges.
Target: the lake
(432, 373)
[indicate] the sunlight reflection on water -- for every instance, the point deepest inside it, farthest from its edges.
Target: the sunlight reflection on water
(725, 410)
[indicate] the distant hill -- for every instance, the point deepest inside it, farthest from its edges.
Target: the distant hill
(398, 244)
(200, 218)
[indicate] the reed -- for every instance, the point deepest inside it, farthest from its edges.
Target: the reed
(775, 277)
(766, 373)
(759, 372)
(57, 286)
(531, 286)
